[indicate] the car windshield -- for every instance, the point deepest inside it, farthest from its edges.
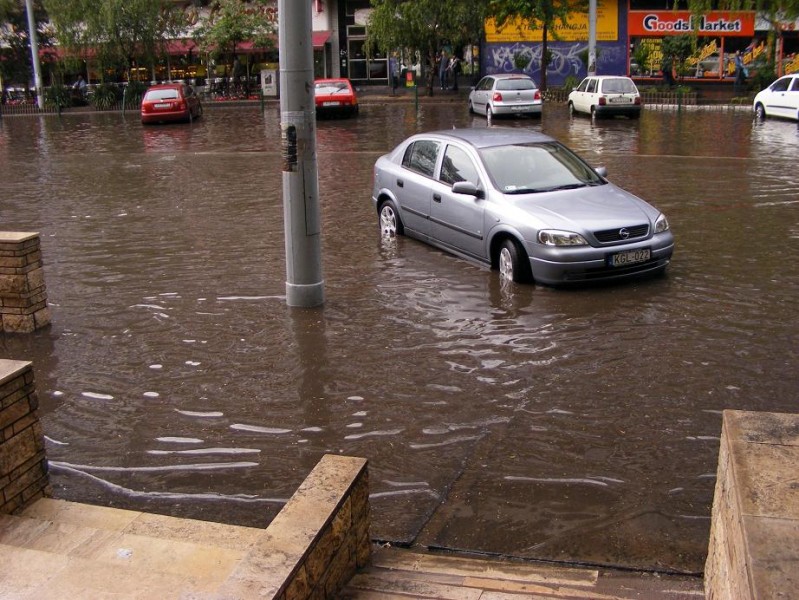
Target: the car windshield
(338, 87)
(168, 94)
(618, 86)
(532, 168)
(521, 83)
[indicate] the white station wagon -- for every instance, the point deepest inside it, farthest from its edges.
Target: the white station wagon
(606, 95)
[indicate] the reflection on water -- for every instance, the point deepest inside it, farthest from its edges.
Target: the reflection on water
(577, 425)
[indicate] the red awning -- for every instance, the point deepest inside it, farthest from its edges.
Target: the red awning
(320, 38)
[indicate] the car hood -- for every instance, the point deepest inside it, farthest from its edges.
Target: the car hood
(585, 209)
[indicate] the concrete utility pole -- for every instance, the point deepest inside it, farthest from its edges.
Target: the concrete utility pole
(37, 70)
(592, 37)
(304, 283)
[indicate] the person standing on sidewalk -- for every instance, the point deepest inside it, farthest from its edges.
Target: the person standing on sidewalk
(443, 65)
(454, 69)
(740, 73)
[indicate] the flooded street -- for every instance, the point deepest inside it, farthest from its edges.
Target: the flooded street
(568, 425)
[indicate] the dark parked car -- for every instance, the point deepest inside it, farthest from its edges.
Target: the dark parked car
(170, 102)
(335, 97)
(521, 202)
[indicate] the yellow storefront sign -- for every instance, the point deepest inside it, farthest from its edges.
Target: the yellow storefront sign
(574, 30)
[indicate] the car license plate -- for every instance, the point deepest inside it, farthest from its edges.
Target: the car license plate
(622, 100)
(331, 103)
(629, 257)
(521, 107)
(163, 105)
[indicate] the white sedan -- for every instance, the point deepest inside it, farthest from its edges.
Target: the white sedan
(780, 99)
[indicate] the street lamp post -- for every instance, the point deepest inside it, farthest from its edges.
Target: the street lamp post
(304, 283)
(37, 70)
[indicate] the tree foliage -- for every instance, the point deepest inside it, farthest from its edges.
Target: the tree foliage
(15, 54)
(116, 33)
(231, 22)
(425, 26)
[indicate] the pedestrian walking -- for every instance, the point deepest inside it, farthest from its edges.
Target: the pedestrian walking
(454, 69)
(740, 73)
(443, 63)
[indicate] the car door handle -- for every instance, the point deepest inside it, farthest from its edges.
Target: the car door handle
(400, 183)
(436, 197)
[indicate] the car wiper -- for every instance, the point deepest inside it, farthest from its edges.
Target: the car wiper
(567, 186)
(526, 191)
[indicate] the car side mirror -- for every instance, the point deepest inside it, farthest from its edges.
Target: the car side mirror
(601, 171)
(467, 188)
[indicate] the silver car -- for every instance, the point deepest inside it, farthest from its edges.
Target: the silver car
(506, 94)
(521, 202)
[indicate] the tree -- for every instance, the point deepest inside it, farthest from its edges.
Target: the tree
(231, 22)
(425, 26)
(117, 33)
(15, 51)
(536, 14)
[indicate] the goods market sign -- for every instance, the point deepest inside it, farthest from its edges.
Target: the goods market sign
(676, 22)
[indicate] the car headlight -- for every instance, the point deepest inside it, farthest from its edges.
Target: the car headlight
(661, 224)
(553, 237)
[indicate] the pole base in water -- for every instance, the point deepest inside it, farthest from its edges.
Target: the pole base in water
(305, 296)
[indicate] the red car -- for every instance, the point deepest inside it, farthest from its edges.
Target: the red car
(335, 97)
(170, 102)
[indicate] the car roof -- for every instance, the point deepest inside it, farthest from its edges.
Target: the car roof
(608, 77)
(486, 137)
(510, 76)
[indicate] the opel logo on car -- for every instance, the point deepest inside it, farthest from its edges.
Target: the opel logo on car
(624, 233)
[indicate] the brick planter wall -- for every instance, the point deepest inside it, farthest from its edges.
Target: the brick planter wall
(316, 542)
(23, 295)
(23, 466)
(754, 534)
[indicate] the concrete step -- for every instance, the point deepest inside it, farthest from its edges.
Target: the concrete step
(59, 549)
(396, 573)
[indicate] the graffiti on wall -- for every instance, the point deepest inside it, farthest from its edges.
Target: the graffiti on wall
(567, 59)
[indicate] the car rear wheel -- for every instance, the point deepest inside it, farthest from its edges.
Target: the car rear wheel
(513, 263)
(471, 108)
(489, 113)
(390, 222)
(760, 111)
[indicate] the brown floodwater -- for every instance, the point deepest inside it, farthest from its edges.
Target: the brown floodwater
(570, 425)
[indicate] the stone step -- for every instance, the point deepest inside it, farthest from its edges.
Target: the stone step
(396, 573)
(59, 549)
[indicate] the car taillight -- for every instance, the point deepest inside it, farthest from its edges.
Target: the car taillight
(497, 97)
(181, 105)
(602, 101)
(638, 99)
(537, 95)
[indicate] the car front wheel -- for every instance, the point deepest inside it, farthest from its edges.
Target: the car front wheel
(513, 263)
(390, 223)
(571, 109)
(760, 111)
